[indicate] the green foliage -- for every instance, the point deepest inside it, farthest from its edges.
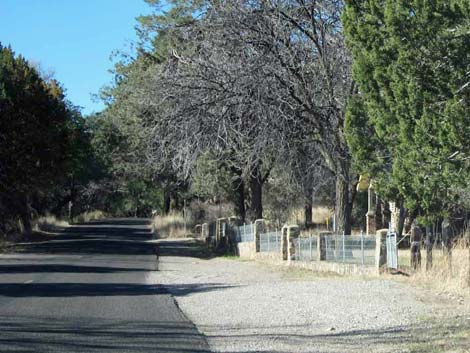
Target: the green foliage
(408, 126)
(36, 125)
(33, 131)
(210, 178)
(122, 134)
(164, 30)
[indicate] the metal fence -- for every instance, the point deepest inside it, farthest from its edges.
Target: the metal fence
(270, 242)
(359, 249)
(353, 249)
(306, 248)
(245, 233)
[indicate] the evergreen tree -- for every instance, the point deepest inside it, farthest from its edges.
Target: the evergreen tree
(33, 135)
(408, 126)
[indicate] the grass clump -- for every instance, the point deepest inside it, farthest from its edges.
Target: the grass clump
(445, 276)
(172, 225)
(49, 223)
(320, 215)
(90, 216)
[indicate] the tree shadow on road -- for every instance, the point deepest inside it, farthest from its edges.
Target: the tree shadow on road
(114, 237)
(43, 334)
(61, 268)
(423, 337)
(61, 290)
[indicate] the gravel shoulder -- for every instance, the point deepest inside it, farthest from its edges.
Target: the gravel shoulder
(244, 306)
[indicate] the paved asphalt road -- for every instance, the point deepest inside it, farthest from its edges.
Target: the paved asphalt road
(90, 291)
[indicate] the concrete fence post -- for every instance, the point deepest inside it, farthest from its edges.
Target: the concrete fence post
(259, 227)
(362, 248)
(293, 232)
(284, 243)
(381, 248)
(198, 230)
(321, 245)
(232, 233)
(205, 231)
(219, 228)
(233, 223)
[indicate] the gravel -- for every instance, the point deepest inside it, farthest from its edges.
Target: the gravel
(250, 307)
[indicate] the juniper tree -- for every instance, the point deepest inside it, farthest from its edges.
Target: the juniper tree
(408, 127)
(36, 124)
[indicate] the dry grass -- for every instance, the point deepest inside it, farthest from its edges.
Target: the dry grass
(49, 223)
(321, 213)
(319, 216)
(200, 212)
(90, 216)
(442, 276)
(172, 225)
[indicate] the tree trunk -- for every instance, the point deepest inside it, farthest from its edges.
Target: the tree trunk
(342, 206)
(166, 201)
(25, 215)
(467, 243)
(174, 206)
(308, 206)
(401, 221)
(378, 213)
(72, 199)
(256, 190)
(238, 188)
(447, 242)
(429, 246)
(415, 246)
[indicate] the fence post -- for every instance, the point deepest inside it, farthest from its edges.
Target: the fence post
(293, 232)
(258, 228)
(311, 252)
(362, 247)
(198, 230)
(277, 239)
(344, 248)
(380, 248)
(269, 236)
(322, 246)
(205, 231)
(233, 233)
(284, 244)
(300, 248)
(220, 239)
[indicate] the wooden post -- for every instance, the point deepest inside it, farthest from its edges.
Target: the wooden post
(415, 246)
(429, 244)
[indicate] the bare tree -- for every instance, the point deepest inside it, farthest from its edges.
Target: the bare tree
(261, 78)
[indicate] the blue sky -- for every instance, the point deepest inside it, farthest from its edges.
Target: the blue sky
(75, 38)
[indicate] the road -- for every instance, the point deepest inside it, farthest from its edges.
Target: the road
(91, 290)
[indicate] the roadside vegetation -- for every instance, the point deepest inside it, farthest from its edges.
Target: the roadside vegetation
(446, 275)
(258, 109)
(172, 225)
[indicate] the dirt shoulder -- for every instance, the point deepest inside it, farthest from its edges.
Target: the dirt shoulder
(243, 306)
